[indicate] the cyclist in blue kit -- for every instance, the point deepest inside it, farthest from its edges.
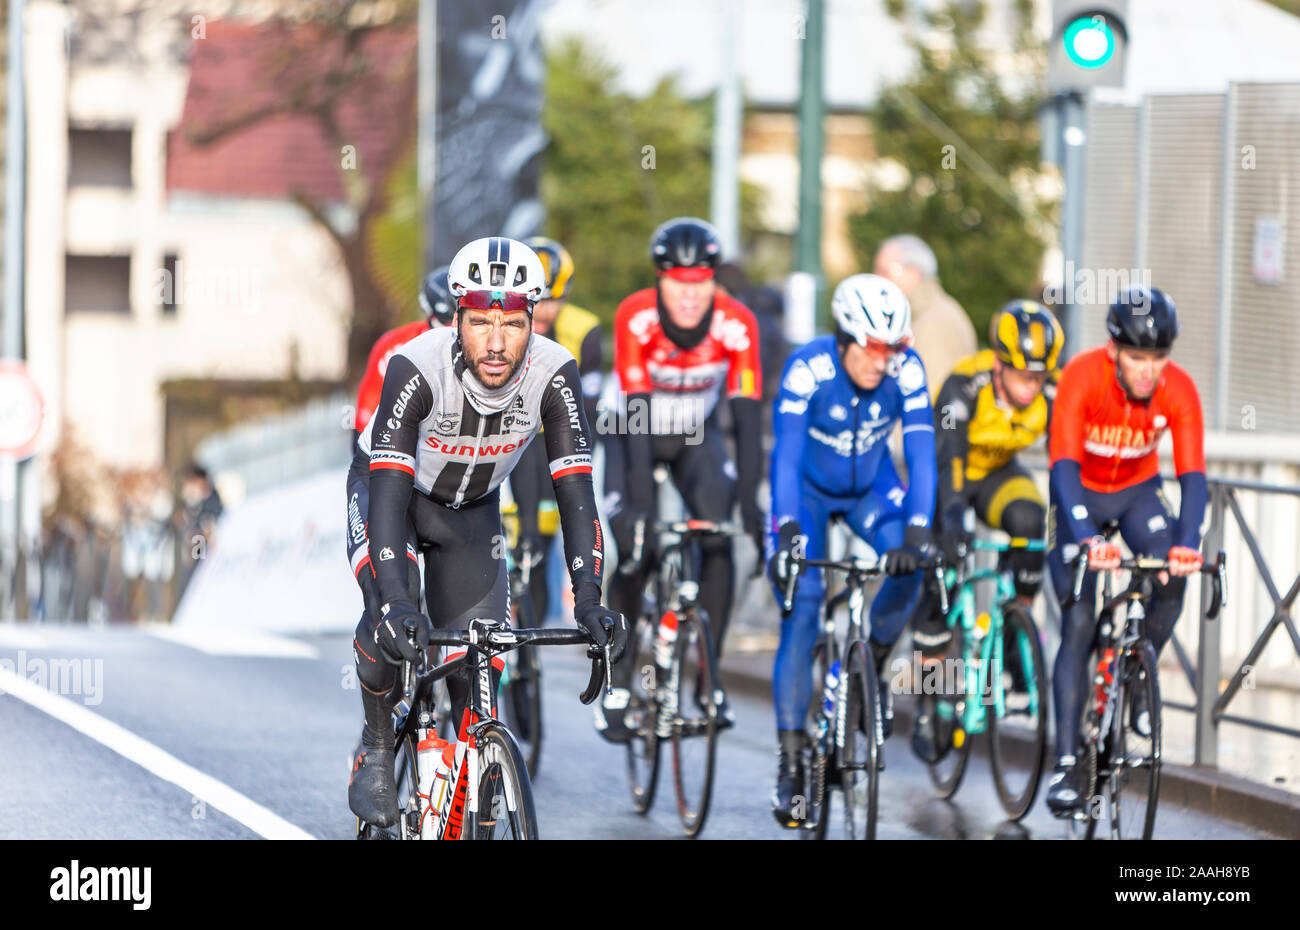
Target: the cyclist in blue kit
(839, 400)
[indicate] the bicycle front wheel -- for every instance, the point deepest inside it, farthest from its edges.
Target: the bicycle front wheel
(858, 760)
(1020, 732)
(1134, 783)
(505, 794)
(642, 716)
(695, 723)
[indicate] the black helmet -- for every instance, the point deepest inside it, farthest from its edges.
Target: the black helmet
(1144, 318)
(685, 242)
(435, 299)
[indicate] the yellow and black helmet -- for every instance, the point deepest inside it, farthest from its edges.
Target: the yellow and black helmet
(558, 264)
(1025, 335)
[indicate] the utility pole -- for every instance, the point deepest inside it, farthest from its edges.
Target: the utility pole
(728, 113)
(426, 161)
(801, 312)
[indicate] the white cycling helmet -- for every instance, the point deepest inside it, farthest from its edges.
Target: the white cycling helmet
(497, 264)
(867, 306)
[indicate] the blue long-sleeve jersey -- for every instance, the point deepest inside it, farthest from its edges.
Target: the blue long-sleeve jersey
(833, 434)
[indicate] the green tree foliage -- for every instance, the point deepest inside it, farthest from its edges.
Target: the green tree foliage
(615, 168)
(974, 203)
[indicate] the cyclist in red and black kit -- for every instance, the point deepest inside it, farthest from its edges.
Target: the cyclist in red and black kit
(439, 310)
(1114, 403)
(677, 347)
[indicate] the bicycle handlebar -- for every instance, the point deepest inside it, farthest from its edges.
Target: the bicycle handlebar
(1148, 565)
(503, 639)
(862, 568)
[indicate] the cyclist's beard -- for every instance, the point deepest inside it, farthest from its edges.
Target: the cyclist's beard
(495, 382)
(1128, 391)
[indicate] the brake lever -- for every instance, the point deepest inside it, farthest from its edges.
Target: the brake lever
(1219, 586)
(943, 588)
(592, 691)
(787, 603)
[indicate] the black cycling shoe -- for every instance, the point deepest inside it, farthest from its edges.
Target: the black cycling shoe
(1065, 792)
(726, 716)
(372, 791)
(789, 798)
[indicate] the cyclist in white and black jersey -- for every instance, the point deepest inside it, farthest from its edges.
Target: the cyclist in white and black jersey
(458, 407)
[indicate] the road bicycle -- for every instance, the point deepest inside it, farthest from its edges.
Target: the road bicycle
(997, 685)
(1121, 751)
(845, 728)
(486, 792)
(521, 683)
(676, 689)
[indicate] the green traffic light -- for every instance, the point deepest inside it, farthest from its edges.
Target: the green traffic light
(1089, 41)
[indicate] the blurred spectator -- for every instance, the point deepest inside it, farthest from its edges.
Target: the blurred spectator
(942, 332)
(196, 519)
(148, 547)
(768, 306)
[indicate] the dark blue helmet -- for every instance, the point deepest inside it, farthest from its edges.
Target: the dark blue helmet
(1144, 318)
(435, 298)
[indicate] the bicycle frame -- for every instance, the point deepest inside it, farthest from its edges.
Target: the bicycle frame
(990, 659)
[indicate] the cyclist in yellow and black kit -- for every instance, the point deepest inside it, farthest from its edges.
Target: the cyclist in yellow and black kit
(994, 404)
(530, 516)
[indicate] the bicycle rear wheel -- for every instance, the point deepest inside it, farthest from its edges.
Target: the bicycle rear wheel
(859, 754)
(949, 709)
(505, 794)
(1022, 731)
(695, 727)
(642, 716)
(1134, 784)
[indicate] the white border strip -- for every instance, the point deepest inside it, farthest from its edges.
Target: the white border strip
(152, 759)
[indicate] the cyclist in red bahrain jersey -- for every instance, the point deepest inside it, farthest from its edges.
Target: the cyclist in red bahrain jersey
(1114, 403)
(677, 347)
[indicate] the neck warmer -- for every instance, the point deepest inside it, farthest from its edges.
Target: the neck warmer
(684, 338)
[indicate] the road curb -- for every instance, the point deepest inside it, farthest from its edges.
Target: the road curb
(1209, 791)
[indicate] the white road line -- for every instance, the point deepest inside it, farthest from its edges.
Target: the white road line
(152, 759)
(226, 641)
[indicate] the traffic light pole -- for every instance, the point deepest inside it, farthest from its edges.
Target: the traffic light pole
(1070, 118)
(805, 284)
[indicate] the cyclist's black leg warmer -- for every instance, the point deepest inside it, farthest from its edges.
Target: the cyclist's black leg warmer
(625, 597)
(1070, 675)
(1165, 607)
(1027, 519)
(879, 654)
(701, 472)
(378, 708)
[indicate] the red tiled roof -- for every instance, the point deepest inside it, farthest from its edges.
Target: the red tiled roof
(242, 67)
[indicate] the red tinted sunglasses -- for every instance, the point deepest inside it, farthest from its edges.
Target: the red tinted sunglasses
(877, 347)
(486, 300)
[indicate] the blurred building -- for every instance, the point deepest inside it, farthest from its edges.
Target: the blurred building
(167, 283)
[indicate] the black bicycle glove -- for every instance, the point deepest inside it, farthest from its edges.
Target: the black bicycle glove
(908, 557)
(391, 635)
(605, 626)
(789, 545)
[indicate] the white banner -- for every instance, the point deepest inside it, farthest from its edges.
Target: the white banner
(278, 563)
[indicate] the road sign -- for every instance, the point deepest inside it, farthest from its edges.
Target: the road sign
(22, 411)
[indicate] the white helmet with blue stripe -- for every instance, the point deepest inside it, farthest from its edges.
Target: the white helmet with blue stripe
(867, 306)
